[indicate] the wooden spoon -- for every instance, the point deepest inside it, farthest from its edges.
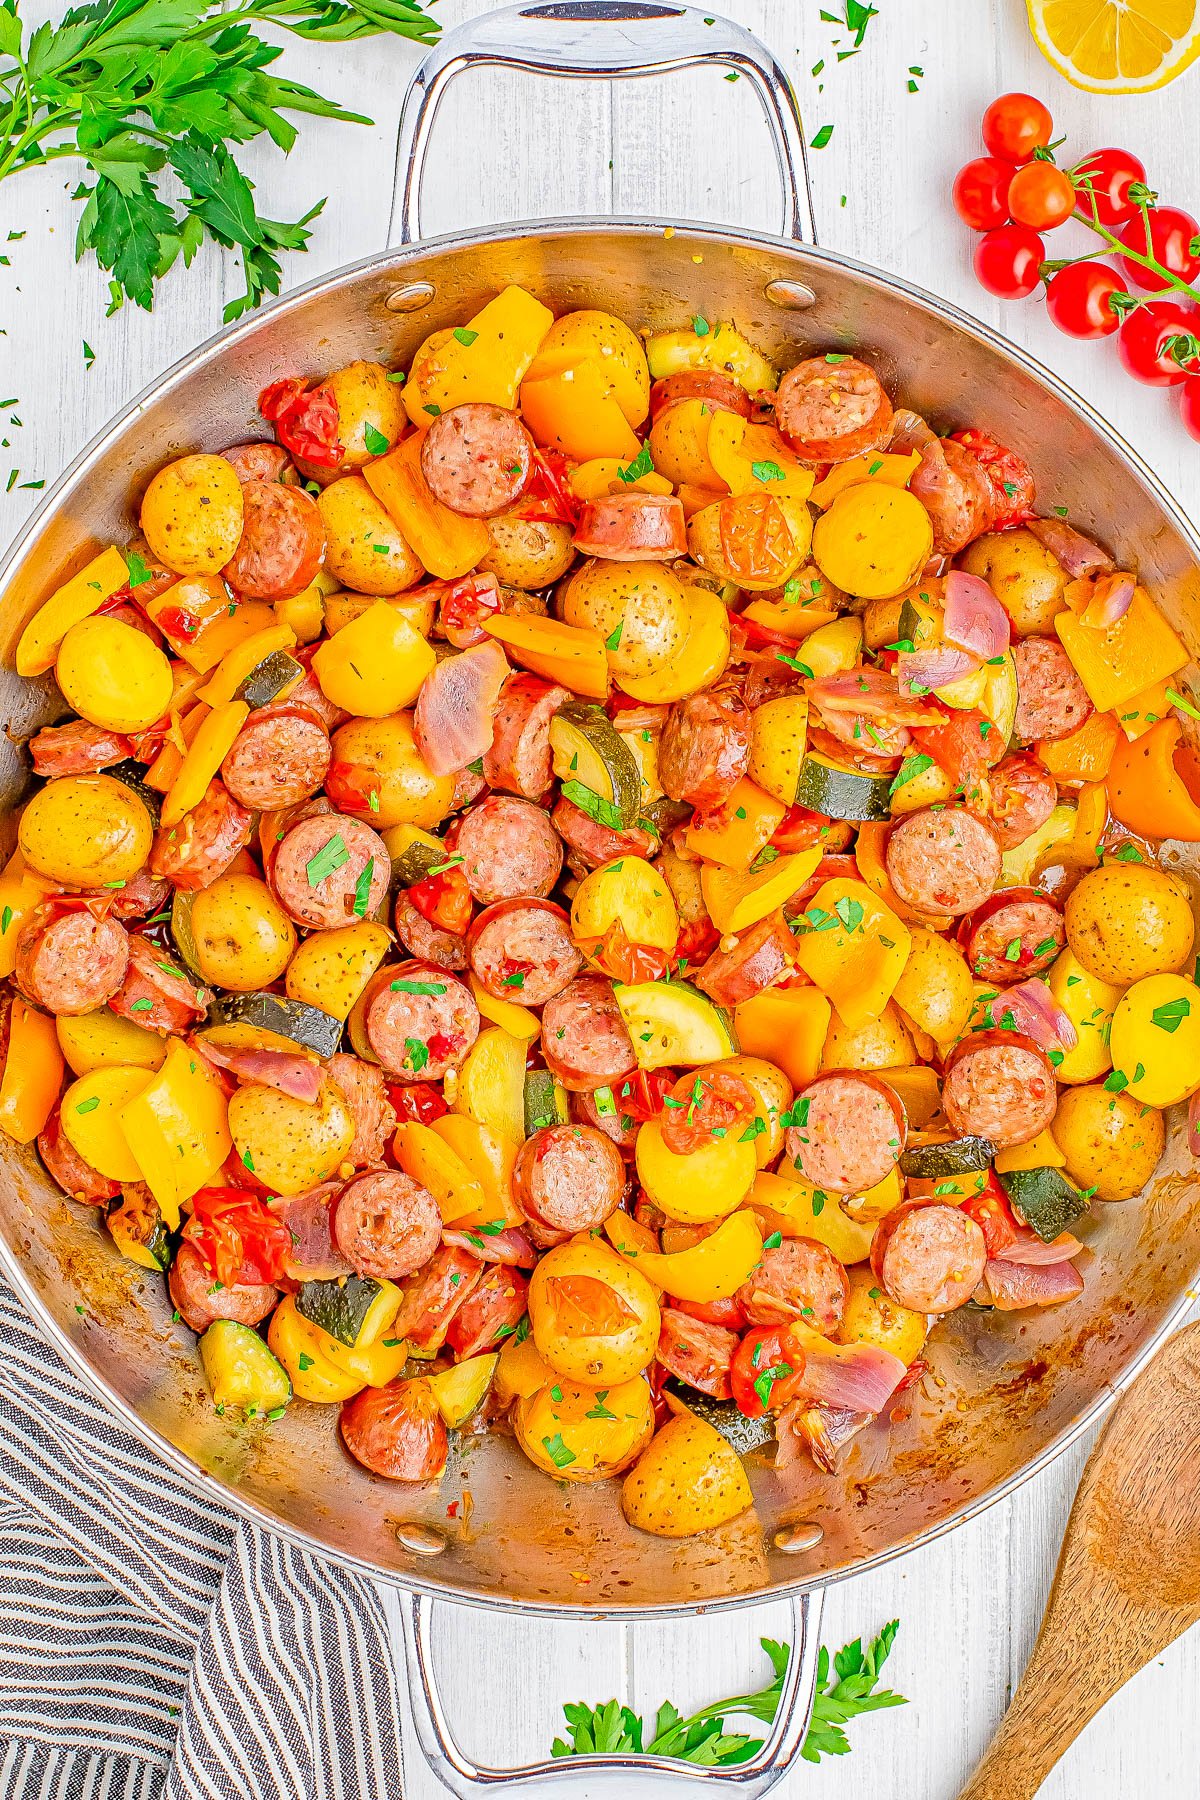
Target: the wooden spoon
(1128, 1576)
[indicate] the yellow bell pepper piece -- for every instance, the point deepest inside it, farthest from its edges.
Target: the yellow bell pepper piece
(792, 617)
(736, 901)
(1137, 715)
(569, 654)
(425, 1155)
(41, 640)
(573, 410)
(1040, 1152)
(33, 1072)
(743, 826)
(1085, 754)
(787, 1026)
(754, 459)
(178, 1129)
(164, 770)
(1147, 790)
(304, 613)
(491, 1159)
(518, 1021)
(204, 602)
(447, 542)
(375, 665)
(485, 359)
(92, 1118)
(786, 1204)
(853, 947)
(876, 465)
(229, 629)
(1118, 664)
(207, 751)
(239, 662)
(596, 479)
(699, 660)
(711, 1270)
(21, 892)
(296, 1342)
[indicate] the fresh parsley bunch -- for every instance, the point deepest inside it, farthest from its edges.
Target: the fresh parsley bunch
(134, 87)
(613, 1729)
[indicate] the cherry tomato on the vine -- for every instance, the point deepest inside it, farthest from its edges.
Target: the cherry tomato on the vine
(1107, 176)
(1008, 261)
(1041, 196)
(1174, 241)
(1077, 300)
(1015, 125)
(1189, 406)
(981, 192)
(1158, 343)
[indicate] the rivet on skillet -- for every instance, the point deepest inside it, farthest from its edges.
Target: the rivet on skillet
(793, 296)
(422, 1540)
(795, 1538)
(411, 298)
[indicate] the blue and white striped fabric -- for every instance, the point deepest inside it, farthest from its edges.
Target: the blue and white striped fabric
(153, 1646)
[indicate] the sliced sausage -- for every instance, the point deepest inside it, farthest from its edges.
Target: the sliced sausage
(799, 1279)
(317, 868)
(697, 1352)
(943, 859)
(468, 785)
(632, 526)
(490, 1314)
(830, 408)
(260, 462)
(201, 847)
(434, 1295)
(591, 844)
(848, 1133)
(386, 1225)
(158, 993)
(73, 1175)
(722, 392)
(929, 1258)
(999, 1085)
(396, 1431)
(1017, 933)
(760, 956)
(426, 941)
(421, 1022)
(508, 847)
(77, 749)
(705, 748)
(584, 1039)
(279, 757)
(523, 950)
(567, 1178)
(955, 492)
(618, 1126)
(1011, 478)
(70, 963)
(364, 1090)
(1023, 795)
(136, 898)
(282, 545)
(199, 1298)
(477, 458)
(519, 757)
(1052, 702)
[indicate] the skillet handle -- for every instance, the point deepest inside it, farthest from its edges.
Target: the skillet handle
(595, 40)
(618, 1773)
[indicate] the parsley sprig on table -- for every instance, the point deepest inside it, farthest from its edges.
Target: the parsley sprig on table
(612, 1729)
(137, 88)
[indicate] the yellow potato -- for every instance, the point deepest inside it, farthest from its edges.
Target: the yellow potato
(778, 735)
(786, 1203)
(629, 890)
(100, 1039)
(583, 1433)
(331, 968)
(366, 400)
(688, 1480)
(1156, 1039)
(706, 547)
(191, 514)
(409, 792)
(113, 676)
(290, 1145)
(1127, 920)
(594, 1318)
(86, 830)
(773, 1093)
(873, 541)
(606, 341)
(639, 609)
(873, 1317)
(935, 989)
(243, 937)
(1026, 578)
(527, 553)
(883, 1042)
(1111, 1141)
(365, 548)
(679, 445)
(697, 1188)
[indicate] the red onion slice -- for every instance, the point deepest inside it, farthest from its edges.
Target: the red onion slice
(510, 1246)
(922, 671)
(866, 693)
(859, 1377)
(1077, 554)
(298, 1076)
(975, 619)
(1030, 1251)
(1112, 596)
(453, 719)
(1036, 1014)
(1014, 1286)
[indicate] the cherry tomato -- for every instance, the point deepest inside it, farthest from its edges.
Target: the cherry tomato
(1077, 300)
(238, 1237)
(1010, 476)
(306, 422)
(993, 1215)
(1107, 176)
(1174, 242)
(1157, 343)
(1015, 125)
(724, 1312)
(1041, 196)
(419, 1102)
(766, 1370)
(702, 1105)
(981, 192)
(1189, 406)
(756, 539)
(641, 1096)
(1008, 261)
(444, 899)
(959, 747)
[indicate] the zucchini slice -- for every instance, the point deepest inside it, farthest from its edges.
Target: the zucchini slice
(545, 1101)
(839, 793)
(130, 774)
(270, 679)
(294, 1019)
(671, 1022)
(724, 1416)
(353, 1309)
(1044, 1200)
(954, 1156)
(182, 935)
(585, 746)
(462, 1389)
(241, 1371)
(414, 854)
(136, 1227)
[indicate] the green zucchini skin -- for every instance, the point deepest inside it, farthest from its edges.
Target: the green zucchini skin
(416, 862)
(960, 1156)
(270, 679)
(338, 1307)
(726, 1417)
(1044, 1200)
(241, 1370)
(843, 793)
(545, 1101)
(130, 774)
(304, 1024)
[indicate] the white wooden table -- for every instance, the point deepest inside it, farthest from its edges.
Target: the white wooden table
(688, 147)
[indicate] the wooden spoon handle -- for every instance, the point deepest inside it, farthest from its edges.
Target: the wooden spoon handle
(1048, 1711)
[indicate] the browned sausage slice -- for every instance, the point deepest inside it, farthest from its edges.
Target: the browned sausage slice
(364, 1090)
(320, 874)
(999, 1085)
(508, 847)
(386, 1225)
(705, 748)
(199, 1298)
(434, 1295)
(830, 408)
(282, 545)
(523, 950)
(848, 1131)
(71, 963)
(567, 1178)
(519, 758)
(73, 1175)
(943, 860)
(201, 847)
(620, 1127)
(491, 1314)
(421, 1022)
(396, 1431)
(759, 957)
(799, 1279)
(591, 843)
(1023, 795)
(279, 757)
(584, 1039)
(158, 993)
(426, 941)
(722, 392)
(930, 1258)
(632, 526)
(77, 748)
(260, 462)
(955, 491)
(1017, 933)
(697, 1352)
(476, 458)
(1052, 702)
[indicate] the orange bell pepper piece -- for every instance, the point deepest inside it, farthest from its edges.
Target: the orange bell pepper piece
(1154, 784)
(1085, 754)
(33, 1073)
(447, 542)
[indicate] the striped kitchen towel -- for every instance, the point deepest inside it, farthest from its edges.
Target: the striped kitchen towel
(152, 1645)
